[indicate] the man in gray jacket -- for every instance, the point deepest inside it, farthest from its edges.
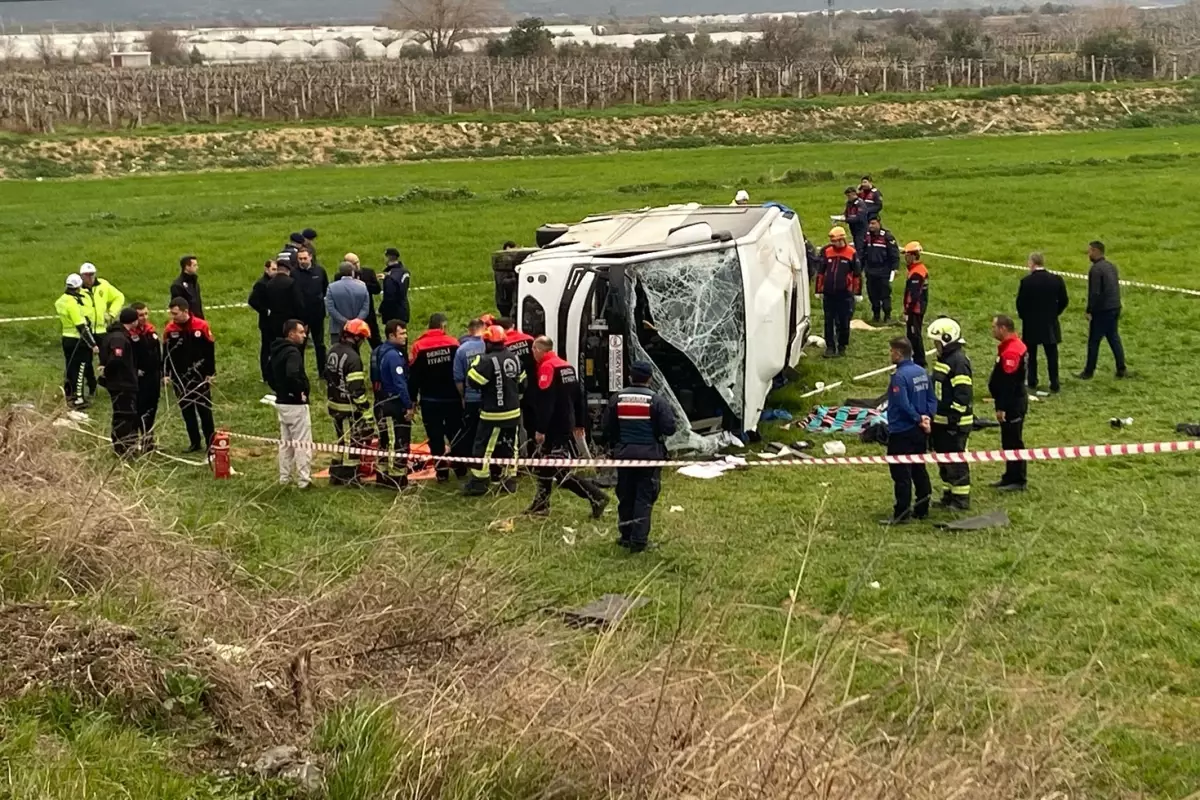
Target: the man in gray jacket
(346, 299)
(1103, 311)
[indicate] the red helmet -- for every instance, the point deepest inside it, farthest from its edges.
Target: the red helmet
(356, 327)
(494, 333)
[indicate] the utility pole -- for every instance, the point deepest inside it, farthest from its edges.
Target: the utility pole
(829, 14)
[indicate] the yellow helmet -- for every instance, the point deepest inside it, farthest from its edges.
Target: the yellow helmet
(913, 247)
(945, 330)
(837, 232)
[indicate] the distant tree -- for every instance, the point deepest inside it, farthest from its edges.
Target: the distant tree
(442, 25)
(529, 39)
(674, 47)
(104, 45)
(195, 57)
(165, 47)
(1127, 55)
(913, 25)
(46, 50)
(702, 45)
(785, 39)
(962, 35)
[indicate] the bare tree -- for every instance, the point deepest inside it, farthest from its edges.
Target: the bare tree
(47, 50)
(441, 25)
(165, 47)
(104, 44)
(8, 48)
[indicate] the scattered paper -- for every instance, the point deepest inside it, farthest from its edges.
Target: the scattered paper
(874, 584)
(835, 449)
(712, 469)
(676, 509)
(230, 653)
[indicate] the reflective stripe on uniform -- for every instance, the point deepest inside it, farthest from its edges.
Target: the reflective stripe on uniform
(483, 471)
(960, 491)
(939, 366)
(474, 376)
(959, 407)
(355, 376)
(500, 416)
(963, 422)
(961, 380)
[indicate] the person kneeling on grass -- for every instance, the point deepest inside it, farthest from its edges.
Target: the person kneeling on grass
(910, 410)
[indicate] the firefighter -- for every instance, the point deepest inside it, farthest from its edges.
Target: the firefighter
(880, 260)
(952, 423)
(349, 402)
(118, 374)
(839, 282)
(916, 300)
(147, 353)
(189, 364)
(498, 375)
(104, 302)
(431, 384)
(78, 342)
(1007, 387)
(559, 410)
(393, 404)
(520, 344)
(637, 422)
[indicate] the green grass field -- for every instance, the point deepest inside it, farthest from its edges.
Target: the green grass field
(1087, 601)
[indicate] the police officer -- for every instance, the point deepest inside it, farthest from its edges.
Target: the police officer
(872, 199)
(880, 260)
(189, 364)
(1007, 387)
(637, 423)
(498, 375)
(349, 403)
(118, 374)
(854, 215)
(394, 407)
(147, 354)
(910, 411)
(78, 342)
(952, 423)
(916, 300)
(559, 409)
(396, 281)
(431, 384)
(839, 282)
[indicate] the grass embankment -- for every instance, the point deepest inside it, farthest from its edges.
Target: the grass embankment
(1073, 619)
(687, 126)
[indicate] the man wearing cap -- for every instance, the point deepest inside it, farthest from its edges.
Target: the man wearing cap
(559, 411)
(295, 243)
(189, 364)
(839, 282)
(395, 289)
(104, 303)
(311, 284)
(501, 379)
(431, 383)
(872, 204)
(916, 300)
(742, 198)
(78, 341)
(636, 425)
(880, 260)
(147, 355)
(310, 241)
(187, 285)
(346, 299)
(374, 289)
(349, 401)
(118, 373)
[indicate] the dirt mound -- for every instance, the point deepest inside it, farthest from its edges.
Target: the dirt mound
(115, 155)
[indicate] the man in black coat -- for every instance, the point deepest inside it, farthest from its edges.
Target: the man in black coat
(187, 285)
(312, 282)
(281, 297)
(1103, 311)
(258, 302)
(395, 289)
(1041, 300)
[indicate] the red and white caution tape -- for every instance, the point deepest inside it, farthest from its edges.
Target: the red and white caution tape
(227, 306)
(970, 457)
(1158, 287)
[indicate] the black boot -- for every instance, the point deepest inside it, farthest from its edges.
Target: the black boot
(475, 487)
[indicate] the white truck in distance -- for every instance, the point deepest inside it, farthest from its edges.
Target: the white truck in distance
(716, 297)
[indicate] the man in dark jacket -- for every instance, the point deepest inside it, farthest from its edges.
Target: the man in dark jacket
(872, 199)
(1007, 387)
(282, 298)
(501, 381)
(312, 283)
(520, 344)
(189, 364)
(559, 411)
(1103, 311)
(187, 285)
(431, 383)
(374, 289)
(855, 217)
(880, 260)
(147, 354)
(394, 407)
(955, 391)
(290, 384)
(839, 282)
(119, 376)
(258, 302)
(396, 279)
(637, 423)
(1041, 300)
(910, 410)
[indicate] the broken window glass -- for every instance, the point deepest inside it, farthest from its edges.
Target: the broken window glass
(689, 312)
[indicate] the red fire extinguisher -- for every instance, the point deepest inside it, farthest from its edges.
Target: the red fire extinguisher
(366, 464)
(220, 455)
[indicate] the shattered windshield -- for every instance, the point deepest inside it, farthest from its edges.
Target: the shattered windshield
(695, 303)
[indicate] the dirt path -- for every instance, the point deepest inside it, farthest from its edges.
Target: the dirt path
(118, 155)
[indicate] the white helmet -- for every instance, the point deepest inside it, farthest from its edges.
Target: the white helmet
(74, 281)
(88, 268)
(742, 196)
(945, 330)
